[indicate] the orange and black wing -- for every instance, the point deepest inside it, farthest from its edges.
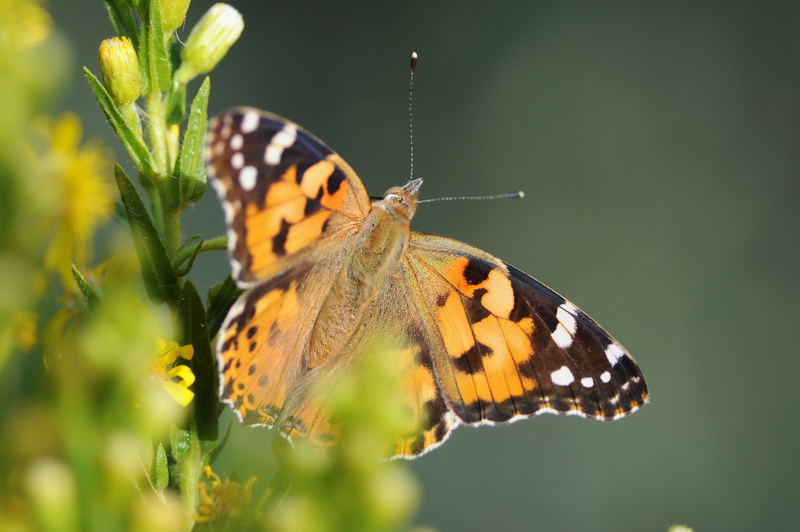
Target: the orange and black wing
(504, 346)
(288, 201)
(282, 190)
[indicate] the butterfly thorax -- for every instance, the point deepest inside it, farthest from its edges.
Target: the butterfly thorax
(373, 260)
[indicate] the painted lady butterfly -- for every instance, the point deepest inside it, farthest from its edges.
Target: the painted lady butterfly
(326, 271)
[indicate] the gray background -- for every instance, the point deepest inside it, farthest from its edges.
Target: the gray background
(658, 146)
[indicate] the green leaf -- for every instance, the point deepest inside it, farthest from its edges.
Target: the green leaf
(159, 277)
(88, 293)
(161, 469)
(122, 18)
(190, 168)
(134, 146)
(220, 298)
(193, 329)
(190, 242)
(152, 51)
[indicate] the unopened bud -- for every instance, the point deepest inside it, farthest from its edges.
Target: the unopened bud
(173, 13)
(209, 41)
(120, 68)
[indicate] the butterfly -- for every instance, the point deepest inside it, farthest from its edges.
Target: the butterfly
(326, 270)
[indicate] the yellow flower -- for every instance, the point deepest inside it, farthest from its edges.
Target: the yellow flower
(227, 501)
(23, 24)
(25, 322)
(176, 379)
(82, 194)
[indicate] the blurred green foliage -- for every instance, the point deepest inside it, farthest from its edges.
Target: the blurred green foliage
(107, 371)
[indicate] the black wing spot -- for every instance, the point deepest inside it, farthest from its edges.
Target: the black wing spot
(251, 332)
(470, 361)
(418, 445)
(313, 204)
(279, 240)
(442, 299)
(252, 369)
(334, 182)
(476, 311)
(476, 272)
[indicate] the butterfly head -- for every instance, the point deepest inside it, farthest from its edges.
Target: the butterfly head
(401, 200)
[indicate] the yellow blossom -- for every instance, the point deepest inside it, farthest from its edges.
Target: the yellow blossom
(226, 501)
(25, 322)
(23, 24)
(175, 379)
(79, 181)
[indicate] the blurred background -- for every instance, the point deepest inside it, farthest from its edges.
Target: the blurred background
(657, 144)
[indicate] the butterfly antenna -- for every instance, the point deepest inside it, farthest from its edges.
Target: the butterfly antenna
(509, 195)
(411, 112)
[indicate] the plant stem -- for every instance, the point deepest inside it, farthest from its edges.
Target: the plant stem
(191, 467)
(170, 225)
(157, 126)
(213, 244)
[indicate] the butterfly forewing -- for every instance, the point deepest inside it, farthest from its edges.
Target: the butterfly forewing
(282, 189)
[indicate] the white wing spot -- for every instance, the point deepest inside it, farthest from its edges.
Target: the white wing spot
(567, 325)
(566, 316)
(237, 160)
(237, 141)
(587, 382)
(279, 142)
(218, 186)
(247, 177)
(227, 208)
(225, 130)
(562, 376)
(613, 354)
(249, 122)
(561, 337)
(605, 377)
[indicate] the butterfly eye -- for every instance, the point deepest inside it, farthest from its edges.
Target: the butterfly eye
(394, 198)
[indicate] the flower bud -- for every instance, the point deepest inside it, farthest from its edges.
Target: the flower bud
(120, 68)
(209, 41)
(173, 13)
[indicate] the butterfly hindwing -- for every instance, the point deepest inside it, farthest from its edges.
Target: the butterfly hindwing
(282, 189)
(510, 346)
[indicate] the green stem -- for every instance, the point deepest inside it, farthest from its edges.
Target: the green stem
(154, 196)
(170, 226)
(214, 244)
(157, 126)
(191, 468)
